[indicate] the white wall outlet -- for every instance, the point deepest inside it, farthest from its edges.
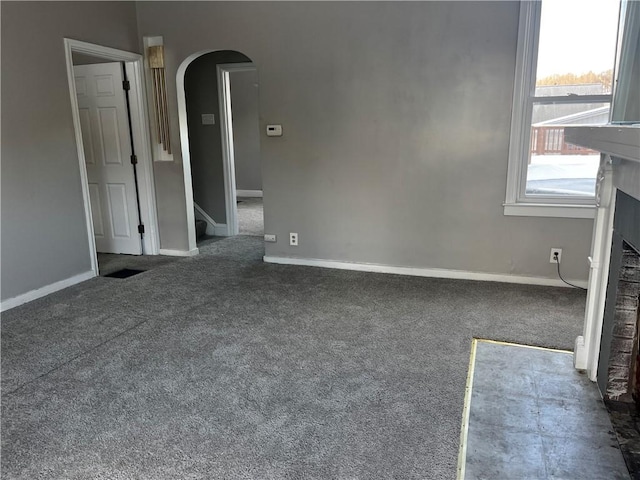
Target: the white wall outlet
(552, 256)
(269, 238)
(293, 239)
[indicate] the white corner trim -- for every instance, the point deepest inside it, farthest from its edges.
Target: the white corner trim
(249, 193)
(178, 253)
(46, 290)
(549, 210)
(423, 272)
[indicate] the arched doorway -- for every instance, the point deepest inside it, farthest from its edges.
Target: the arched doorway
(220, 150)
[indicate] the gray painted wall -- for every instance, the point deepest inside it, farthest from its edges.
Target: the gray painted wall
(44, 238)
(246, 129)
(396, 130)
(205, 143)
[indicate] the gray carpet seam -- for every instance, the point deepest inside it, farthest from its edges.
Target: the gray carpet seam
(79, 355)
(93, 348)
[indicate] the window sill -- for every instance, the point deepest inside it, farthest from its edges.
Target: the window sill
(549, 210)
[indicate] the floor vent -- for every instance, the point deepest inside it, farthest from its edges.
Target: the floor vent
(124, 273)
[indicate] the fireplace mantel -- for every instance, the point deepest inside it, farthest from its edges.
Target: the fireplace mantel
(621, 141)
(619, 170)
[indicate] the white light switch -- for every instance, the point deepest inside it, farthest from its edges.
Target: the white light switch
(208, 119)
(274, 130)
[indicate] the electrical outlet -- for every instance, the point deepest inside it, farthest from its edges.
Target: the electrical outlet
(293, 239)
(269, 238)
(552, 256)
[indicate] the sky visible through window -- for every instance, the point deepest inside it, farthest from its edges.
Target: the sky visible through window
(577, 36)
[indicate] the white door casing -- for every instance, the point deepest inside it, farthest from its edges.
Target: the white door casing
(226, 130)
(107, 148)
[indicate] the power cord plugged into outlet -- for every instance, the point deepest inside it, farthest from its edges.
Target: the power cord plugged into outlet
(556, 258)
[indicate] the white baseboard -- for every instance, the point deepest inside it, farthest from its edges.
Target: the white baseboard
(422, 272)
(220, 230)
(178, 253)
(213, 228)
(46, 290)
(249, 193)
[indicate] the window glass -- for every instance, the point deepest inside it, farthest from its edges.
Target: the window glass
(555, 167)
(626, 105)
(576, 54)
(576, 49)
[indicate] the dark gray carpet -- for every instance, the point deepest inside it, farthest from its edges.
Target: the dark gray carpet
(221, 366)
(250, 216)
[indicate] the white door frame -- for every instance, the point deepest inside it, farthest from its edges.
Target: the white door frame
(134, 66)
(184, 149)
(231, 207)
(226, 132)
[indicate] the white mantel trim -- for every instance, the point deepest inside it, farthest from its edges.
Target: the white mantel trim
(587, 346)
(621, 141)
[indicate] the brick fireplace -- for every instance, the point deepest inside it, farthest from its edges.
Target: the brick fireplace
(618, 372)
(616, 229)
(618, 368)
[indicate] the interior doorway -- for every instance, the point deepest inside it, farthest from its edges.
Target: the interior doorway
(105, 125)
(218, 111)
(110, 121)
(238, 91)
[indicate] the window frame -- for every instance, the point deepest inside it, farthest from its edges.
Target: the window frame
(516, 201)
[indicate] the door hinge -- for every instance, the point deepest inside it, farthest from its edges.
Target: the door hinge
(134, 160)
(126, 85)
(140, 229)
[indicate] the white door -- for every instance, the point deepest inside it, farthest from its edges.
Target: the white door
(107, 148)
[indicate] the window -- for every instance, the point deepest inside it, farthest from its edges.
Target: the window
(564, 76)
(626, 103)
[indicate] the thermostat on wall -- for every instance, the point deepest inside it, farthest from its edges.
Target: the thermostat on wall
(208, 119)
(274, 130)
